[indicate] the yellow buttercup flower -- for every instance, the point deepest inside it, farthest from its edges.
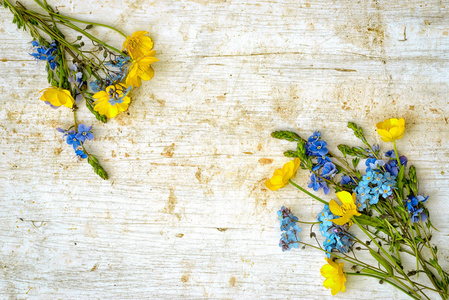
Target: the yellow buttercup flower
(57, 96)
(335, 277)
(391, 129)
(112, 101)
(346, 210)
(141, 70)
(138, 44)
(282, 176)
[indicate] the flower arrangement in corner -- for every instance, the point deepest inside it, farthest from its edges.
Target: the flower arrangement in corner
(383, 201)
(101, 75)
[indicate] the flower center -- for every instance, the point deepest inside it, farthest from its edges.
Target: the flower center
(84, 133)
(319, 147)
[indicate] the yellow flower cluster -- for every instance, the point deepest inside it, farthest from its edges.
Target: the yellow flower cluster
(114, 100)
(391, 129)
(335, 277)
(282, 176)
(139, 47)
(57, 97)
(346, 210)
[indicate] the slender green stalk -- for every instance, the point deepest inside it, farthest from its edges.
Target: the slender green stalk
(308, 193)
(397, 267)
(77, 20)
(385, 280)
(396, 152)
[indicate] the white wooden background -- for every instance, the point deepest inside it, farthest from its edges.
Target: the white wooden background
(185, 213)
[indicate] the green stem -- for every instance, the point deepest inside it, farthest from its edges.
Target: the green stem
(74, 27)
(364, 265)
(397, 267)
(78, 21)
(308, 193)
(383, 279)
(396, 152)
(74, 118)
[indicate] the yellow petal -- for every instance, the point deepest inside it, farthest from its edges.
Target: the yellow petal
(385, 135)
(335, 289)
(139, 33)
(328, 283)
(100, 94)
(328, 271)
(345, 197)
(393, 122)
(271, 186)
(394, 132)
(335, 208)
(148, 74)
(297, 163)
(341, 221)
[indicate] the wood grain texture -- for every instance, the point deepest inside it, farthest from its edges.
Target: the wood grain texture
(185, 213)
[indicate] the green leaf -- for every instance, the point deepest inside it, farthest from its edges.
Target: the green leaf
(368, 221)
(89, 70)
(343, 149)
(401, 174)
(353, 151)
(419, 239)
(98, 169)
(382, 261)
(97, 115)
(290, 153)
(355, 162)
(33, 21)
(374, 272)
(286, 135)
(49, 76)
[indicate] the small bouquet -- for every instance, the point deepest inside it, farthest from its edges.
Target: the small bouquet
(381, 199)
(97, 72)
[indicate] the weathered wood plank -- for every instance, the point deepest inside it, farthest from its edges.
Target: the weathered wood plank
(185, 213)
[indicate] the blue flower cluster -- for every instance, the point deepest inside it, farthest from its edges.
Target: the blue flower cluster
(392, 165)
(318, 149)
(77, 139)
(416, 211)
(120, 65)
(44, 53)
(373, 185)
(76, 76)
(374, 164)
(336, 236)
(347, 180)
(289, 237)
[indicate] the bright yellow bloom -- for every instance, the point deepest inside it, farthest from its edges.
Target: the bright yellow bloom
(335, 277)
(58, 96)
(141, 70)
(138, 44)
(346, 210)
(282, 176)
(391, 129)
(112, 101)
